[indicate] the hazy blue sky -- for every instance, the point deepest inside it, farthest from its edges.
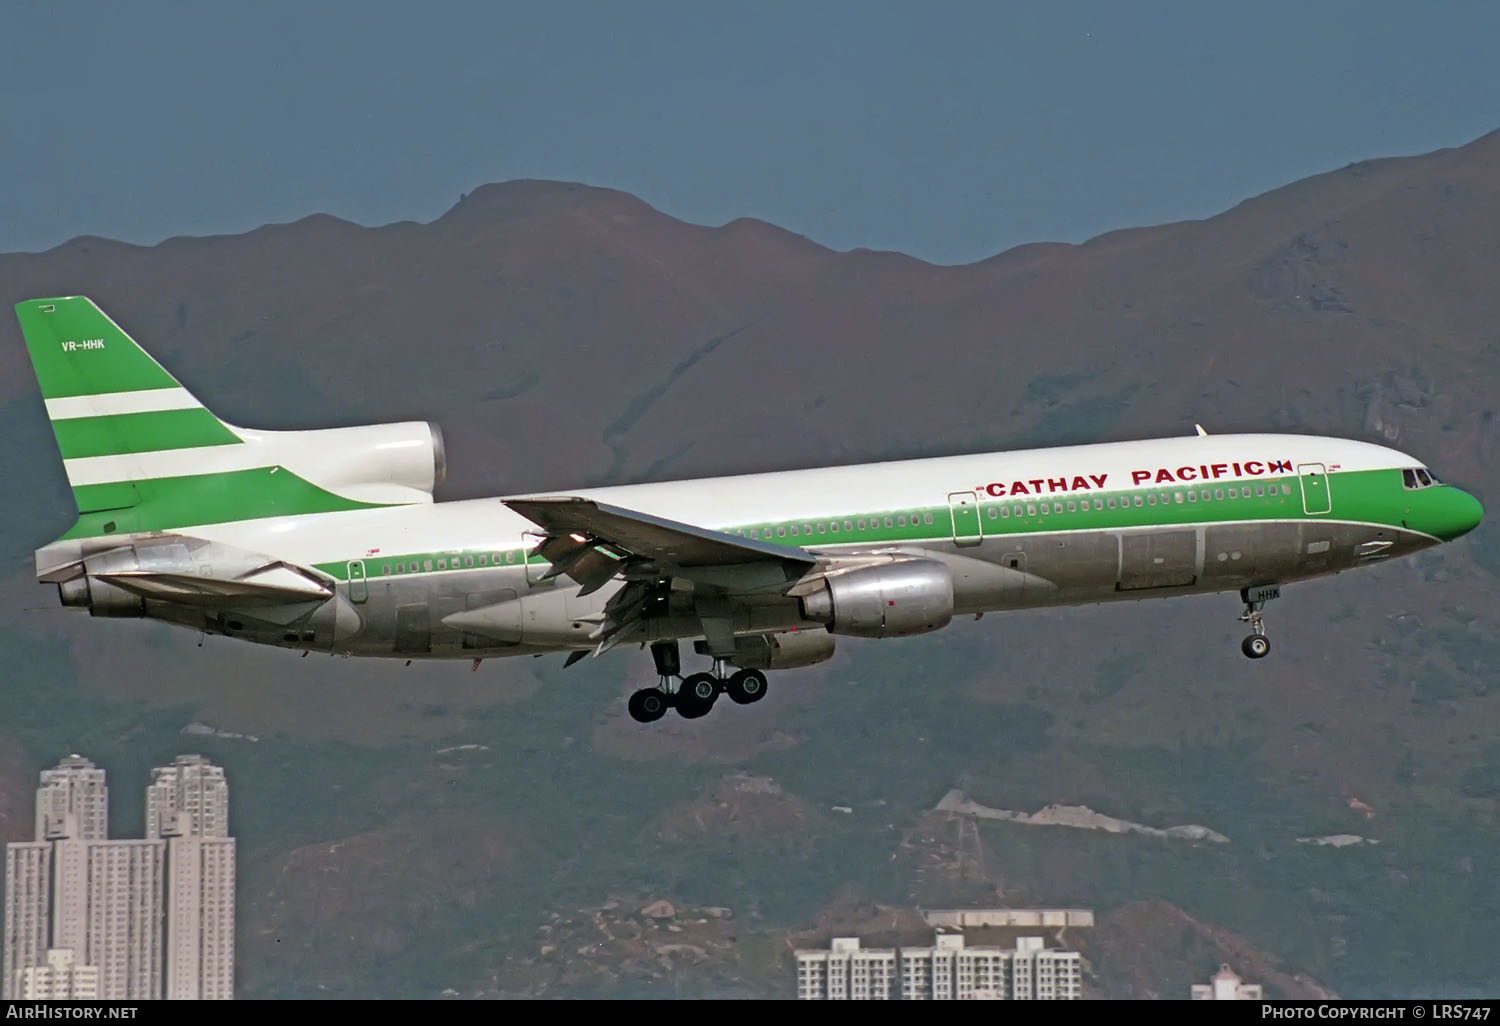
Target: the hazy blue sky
(947, 130)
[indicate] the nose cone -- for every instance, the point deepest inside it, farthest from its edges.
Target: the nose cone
(1454, 513)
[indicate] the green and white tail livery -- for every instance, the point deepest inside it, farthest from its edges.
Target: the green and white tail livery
(142, 453)
(330, 540)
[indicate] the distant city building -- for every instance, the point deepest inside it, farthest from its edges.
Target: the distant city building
(188, 804)
(947, 970)
(846, 972)
(135, 919)
(59, 979)
(967, 918)
(1226, 986)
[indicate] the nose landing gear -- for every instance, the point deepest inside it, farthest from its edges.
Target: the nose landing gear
(1257, 645)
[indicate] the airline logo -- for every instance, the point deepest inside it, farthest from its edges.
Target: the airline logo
(1158, 475)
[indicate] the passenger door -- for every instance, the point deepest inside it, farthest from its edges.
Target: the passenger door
(359, 590)
(1316, 498)
(966, 527)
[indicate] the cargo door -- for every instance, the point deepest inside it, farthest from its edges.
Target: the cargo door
(1158, 559)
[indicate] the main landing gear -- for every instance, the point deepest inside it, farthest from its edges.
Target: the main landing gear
(1257, 645)
(697, 693)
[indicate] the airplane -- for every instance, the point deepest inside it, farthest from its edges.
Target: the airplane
(330, 540)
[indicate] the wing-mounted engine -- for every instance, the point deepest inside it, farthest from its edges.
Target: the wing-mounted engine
(887, 600)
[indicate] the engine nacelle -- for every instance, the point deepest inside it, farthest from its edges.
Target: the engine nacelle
(380, 463)
(100, 597)
(785, 651)
(893, 600)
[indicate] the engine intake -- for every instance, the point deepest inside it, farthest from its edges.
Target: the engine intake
(895, 600)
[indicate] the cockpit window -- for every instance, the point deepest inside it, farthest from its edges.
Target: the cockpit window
(1419, 477)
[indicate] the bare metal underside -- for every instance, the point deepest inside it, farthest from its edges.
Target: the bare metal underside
(506, 611)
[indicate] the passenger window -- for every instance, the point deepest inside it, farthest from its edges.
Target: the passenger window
(834, 527)
(1031, 510)
(1218, 493)
(1005, 512)
(1286, 489)
(888, 522)
(848, 525)
(823, 527)
(484, 558)
(861, 523)
(1192, 496)
(1111, 502)
(994, 512)
(807, 528)
(510, 557)
(1072, 507)
(1260, 491)
(1205, 495)
(1233, 494)
(468, 561)
(427, 565)
(901, 520)
(1045, 511)
(442, 564)
(926, 518)
(1151, 499)
(1139, 501)
(1178, 497)
(1018, 509)
(1098, 503)
(781, 531)
(794, 530)
(385, 571)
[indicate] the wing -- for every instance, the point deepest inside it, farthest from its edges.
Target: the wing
(585, 538)
(594, 543)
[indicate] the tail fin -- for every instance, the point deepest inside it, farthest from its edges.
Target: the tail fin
(119, 417)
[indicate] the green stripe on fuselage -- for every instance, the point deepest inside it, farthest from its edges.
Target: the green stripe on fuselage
(168, 503)
(1375, 497)
(111, 435)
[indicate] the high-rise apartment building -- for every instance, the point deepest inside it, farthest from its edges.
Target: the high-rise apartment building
(146, 918)
(846, 972)
(188, 805)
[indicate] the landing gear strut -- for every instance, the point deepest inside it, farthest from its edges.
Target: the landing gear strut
(650, 704)
(1256, 645)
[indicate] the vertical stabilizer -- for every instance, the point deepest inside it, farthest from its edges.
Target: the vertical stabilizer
(119, 417)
